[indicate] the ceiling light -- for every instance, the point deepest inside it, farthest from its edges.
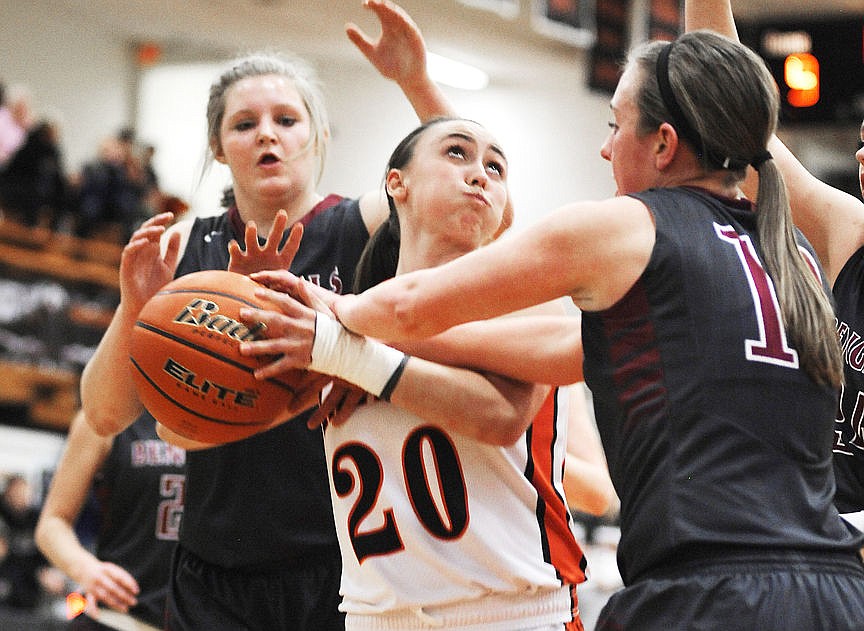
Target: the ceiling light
(455, 73)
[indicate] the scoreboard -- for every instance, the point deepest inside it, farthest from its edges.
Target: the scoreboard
(818, 66)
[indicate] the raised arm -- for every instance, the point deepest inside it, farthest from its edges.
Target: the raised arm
(832, 220)
(55, 534)
(399, 54)
(711, 14)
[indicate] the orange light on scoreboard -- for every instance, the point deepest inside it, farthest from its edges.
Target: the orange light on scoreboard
(801, 73)
(818, 66)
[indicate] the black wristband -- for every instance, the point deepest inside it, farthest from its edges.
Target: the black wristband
(394, 379)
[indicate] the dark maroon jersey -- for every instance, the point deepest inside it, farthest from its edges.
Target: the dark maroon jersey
(715, 436)
(260, 501)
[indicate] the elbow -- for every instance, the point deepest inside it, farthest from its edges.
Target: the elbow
(501, 437)
(512, 416)
(109, 415)
(509, 436)
(504, 434)
(413, 316)
(408, 323)
(599, 504)
(504, 425)
(41, 534)
(102, 421)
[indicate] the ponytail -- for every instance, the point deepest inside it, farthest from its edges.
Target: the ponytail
(380, 256)
(804, 304)
(723, 101)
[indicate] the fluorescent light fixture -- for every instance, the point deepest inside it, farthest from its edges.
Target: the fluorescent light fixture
(455, 73)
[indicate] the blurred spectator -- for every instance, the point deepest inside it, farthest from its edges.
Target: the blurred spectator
(135, 185)
(20, 570)
(16, 117)
(33, 184)
(112, 188)
(97, 188)
(152, 193)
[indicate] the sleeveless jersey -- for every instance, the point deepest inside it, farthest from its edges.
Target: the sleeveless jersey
(848, 428)
(264, 500)
(427, 519)
(713, 434)
(140, 491)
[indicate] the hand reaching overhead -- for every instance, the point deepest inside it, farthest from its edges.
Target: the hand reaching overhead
(399, 53)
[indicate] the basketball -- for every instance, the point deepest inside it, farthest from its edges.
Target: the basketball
(186, 362)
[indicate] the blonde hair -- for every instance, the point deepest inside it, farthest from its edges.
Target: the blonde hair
(260, 64)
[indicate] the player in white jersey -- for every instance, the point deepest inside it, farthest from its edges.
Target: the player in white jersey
(448, 501)
(448, 530)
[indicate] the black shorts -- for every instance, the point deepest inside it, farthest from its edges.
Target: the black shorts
(764, 592)
(298, 595)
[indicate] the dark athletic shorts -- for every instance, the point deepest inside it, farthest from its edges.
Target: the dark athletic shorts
(299, 595)
(749, 591)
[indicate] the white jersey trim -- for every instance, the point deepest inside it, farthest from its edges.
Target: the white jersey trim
(495, 612)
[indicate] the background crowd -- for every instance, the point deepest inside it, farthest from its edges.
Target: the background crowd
(111, 194)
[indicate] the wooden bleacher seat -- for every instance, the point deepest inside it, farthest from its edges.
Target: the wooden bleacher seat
(50, 394)
(101, 249)
(61, 256)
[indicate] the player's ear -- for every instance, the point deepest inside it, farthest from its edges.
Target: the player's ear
(218, 154)
(395, 184)
(666, 145)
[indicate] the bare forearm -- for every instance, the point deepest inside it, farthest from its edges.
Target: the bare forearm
(489, 409)
(427, 99)
(57, 540)
(108, 394)
(548, 348)
(710, 14)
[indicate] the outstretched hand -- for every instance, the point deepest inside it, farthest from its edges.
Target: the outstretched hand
(290, 333)
(399, 53)
(144, 267)
(256, 257)
(306, 292)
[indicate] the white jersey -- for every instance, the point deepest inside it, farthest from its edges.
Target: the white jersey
(429, 520)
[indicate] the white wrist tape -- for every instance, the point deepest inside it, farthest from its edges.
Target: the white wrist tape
(366, 363)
